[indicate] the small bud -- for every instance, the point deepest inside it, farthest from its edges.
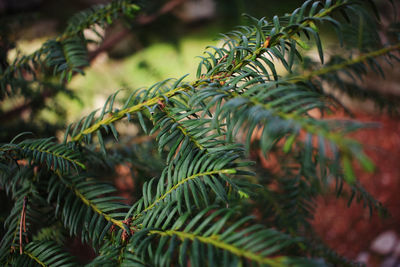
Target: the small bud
(161, 104)
(266, 43)
(124, 236)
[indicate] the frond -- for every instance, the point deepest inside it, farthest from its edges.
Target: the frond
(360, 194)
(255, 46)
(67, 57)
(346, 75)
(45, 253)
(100, 15)
(58, 157)
(209, 239)
(189, 186)
(138, 102)
(85, 206)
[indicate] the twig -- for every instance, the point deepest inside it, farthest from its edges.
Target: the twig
(22, 224)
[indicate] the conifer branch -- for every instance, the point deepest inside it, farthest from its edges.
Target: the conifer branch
(96, 209)
(92, 205)
(183, 129)
(185, 180)
(101, 13)
(36, 259)
(193, 211)
(133, 109)
(216, 241)
(343, 65)
(270, 43)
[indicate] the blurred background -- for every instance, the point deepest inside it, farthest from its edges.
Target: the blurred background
(164, 43)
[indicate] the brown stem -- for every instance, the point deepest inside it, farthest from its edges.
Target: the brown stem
(22, 224)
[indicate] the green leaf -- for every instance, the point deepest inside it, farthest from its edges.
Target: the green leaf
(349, 175)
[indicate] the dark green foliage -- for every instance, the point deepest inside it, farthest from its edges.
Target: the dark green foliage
(32, 77)
(194, 202)
(45, 253)
(56, 156)
(67, 53)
